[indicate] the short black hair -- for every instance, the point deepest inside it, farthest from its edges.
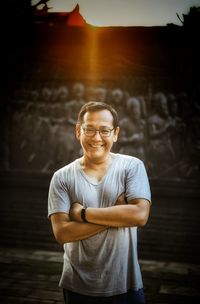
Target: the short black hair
(93, 106)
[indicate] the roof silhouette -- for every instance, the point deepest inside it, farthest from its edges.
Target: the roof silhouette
(73, 18)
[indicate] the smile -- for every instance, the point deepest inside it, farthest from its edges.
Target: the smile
(96, 146)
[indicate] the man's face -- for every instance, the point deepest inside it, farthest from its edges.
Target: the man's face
(97, 147)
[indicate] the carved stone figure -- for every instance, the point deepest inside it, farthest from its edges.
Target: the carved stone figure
(177, 136)
(118, 100)
(160, 126)
(132, 136)
(72, 109)
(100, 94)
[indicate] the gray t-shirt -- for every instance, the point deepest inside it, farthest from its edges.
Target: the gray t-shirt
(105, 264)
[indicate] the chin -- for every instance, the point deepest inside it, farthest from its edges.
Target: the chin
(97, 154)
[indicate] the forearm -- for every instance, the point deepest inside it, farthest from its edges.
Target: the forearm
(75, 231)
(117, 216)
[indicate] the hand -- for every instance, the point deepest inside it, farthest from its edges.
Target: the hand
(75, 212)
(121, 199)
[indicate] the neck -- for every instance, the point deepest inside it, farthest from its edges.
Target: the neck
(93, 163)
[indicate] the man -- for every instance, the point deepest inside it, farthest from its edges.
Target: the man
(95, 205)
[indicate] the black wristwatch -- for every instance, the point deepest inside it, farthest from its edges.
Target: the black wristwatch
(126, 200)
(83, 215)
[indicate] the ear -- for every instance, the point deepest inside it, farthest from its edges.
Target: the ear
(78, 131)
(116, 134)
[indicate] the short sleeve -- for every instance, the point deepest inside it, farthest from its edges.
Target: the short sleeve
(58, 196)
(137, 183)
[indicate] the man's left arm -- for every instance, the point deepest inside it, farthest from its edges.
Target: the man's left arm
(135, 213)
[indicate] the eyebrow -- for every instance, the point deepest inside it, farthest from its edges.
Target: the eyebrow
(88, 125)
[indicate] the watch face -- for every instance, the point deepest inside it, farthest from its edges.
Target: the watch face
(83, 215)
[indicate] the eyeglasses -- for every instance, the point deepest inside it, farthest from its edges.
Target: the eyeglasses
(103, 132)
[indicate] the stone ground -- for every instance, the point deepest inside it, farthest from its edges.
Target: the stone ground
(31, 276)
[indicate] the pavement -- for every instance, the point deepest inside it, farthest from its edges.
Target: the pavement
(32, 276)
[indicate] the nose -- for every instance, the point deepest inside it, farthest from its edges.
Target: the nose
(97, 135)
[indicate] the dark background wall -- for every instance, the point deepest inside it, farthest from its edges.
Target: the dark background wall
(43, 60)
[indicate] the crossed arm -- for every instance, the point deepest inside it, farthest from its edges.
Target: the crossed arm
(71, 228)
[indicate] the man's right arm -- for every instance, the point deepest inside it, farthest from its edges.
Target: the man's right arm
(66, 231)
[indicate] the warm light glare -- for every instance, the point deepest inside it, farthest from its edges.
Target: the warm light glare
(93, 56)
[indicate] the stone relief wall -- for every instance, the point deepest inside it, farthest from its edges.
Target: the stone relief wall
(161, 127)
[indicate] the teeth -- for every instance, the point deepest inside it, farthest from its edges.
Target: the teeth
(94, 146)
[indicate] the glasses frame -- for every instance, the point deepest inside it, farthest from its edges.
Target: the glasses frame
(95, 131)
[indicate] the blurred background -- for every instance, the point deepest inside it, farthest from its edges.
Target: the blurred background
(54, 62)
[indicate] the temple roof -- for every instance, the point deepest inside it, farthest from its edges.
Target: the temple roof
(73, 18)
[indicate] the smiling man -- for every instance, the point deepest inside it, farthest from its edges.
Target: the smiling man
(95, 205)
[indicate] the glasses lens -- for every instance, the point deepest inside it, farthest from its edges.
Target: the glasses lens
(105, 133)
(89, 132)
(92, 132)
